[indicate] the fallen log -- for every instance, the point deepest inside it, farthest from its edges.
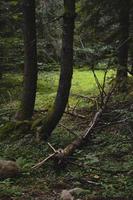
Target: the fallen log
(8, 169)
(62, 154)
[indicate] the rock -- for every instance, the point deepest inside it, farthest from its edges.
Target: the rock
(69, 194)
(66, 195)
(8, 169)
(77, 191)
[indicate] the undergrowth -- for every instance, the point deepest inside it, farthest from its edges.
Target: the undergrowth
(103, 168)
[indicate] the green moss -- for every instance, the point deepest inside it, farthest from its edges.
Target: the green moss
(83, 83)
(36, 123)
(6, 130)
(14, 130)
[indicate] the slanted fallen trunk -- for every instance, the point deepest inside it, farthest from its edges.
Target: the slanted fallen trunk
(8, 169)
(84, 137)
(61, 154)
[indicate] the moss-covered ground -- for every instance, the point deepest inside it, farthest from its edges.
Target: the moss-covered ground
(103, 168)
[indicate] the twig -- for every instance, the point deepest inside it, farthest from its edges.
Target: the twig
(84, 97)
(43, 161)
(76, 105)
(54, 150)
(93, 99)
(69, 130)
(75, 114)
(97, 81)
(54, 20)
(94, 183)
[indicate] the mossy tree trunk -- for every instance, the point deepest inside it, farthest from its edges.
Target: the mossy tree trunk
(121, 76)
(30, 66)
(55, 114)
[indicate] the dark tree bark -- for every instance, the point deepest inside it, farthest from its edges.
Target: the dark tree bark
(0, 70)
(1, 61)
(66, 71)
(132, 68)
(30, 67)
(1, 48)
(121, 76)
(131, 36)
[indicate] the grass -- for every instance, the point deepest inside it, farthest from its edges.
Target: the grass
(83, 82)
(107, 160)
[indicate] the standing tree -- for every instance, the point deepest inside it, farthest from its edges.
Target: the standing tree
(30, 67)
(121, 76)
(61, 100)
(131, 37)
(2, 26)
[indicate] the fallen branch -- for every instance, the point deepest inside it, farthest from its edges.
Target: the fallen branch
(69, 130)
(69, 150)
(43, 161)
(75, 114)
(92, 99)
(84, 97)
(61, 154)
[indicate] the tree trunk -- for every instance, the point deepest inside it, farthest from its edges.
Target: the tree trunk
(30, 67)
(121, 76)
(66, 71)
(1, 49)
(131, 37)
(1, 61)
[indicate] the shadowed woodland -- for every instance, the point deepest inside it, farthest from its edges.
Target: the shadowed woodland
(66, 100)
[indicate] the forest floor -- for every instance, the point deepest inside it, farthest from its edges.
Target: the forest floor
(103, 169)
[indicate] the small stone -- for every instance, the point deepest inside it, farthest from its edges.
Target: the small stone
(66, 195)
(8, 169)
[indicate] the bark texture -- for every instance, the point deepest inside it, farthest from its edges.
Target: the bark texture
(131, 37)
(30, 66)
(66, 71)
(121, 76)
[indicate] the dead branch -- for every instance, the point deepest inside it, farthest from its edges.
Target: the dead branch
(43, 161)
(69, 150)
(84, 97)
(75, 114)
(69, 130)
(74, 108)
(54, 150)
(61, 154)
(101, 89)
